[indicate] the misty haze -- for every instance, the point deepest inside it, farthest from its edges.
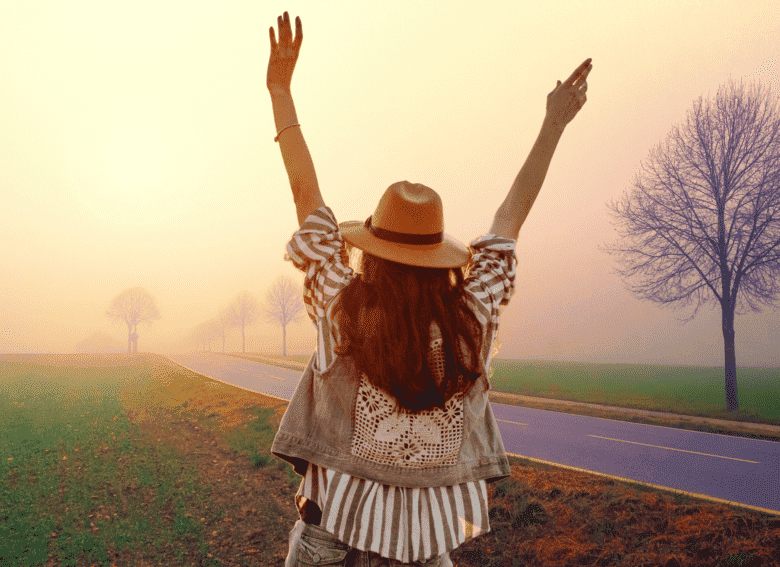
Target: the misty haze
(150, 165)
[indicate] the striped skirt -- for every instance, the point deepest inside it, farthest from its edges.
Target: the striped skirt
(405, 524)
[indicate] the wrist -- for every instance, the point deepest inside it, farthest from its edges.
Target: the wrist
(551, 128)
(279, 91)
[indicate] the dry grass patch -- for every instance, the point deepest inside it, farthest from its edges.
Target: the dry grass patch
(545, 516)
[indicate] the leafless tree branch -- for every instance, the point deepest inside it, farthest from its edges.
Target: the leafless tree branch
(133, 306)
(283, 305)
(701, 221)
(244, 311)
(705, 209)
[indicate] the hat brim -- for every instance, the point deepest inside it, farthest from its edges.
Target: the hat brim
(450, 253)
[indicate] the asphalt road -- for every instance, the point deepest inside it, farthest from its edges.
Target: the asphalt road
(731, 468)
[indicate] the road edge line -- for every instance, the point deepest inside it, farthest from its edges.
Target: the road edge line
(226, 383)
(655, 486)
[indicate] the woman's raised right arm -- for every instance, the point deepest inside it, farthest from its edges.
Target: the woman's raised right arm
(563, 104)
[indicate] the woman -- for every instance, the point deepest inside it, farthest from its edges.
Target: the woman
(390, 425)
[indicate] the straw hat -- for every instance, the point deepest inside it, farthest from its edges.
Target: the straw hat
(408, 227)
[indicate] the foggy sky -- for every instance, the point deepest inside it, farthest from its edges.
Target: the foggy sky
(136, 149)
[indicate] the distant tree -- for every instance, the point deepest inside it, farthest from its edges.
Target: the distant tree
(244, 311)
(283, 305)
(702, 221)
(202, 335)
(223, 323)
(133, 306)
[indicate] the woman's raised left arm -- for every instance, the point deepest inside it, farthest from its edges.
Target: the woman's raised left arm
(295, 152)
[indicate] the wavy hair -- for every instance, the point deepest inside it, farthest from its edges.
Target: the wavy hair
(390, 344)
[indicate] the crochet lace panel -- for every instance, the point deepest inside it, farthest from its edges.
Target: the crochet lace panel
(389, 435)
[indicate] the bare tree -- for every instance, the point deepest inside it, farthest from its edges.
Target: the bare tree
(133, 306)
(223, 323)
(283, 305)
(244, 311)
(202, 335)
(702, 221)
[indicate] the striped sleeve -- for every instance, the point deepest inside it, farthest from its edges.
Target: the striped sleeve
(491, 276)
(318, 250)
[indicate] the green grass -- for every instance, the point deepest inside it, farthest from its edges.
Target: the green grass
(74, 465)
(72, 461)
(255, 442)
(685, 390)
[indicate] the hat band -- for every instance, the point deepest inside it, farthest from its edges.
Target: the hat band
(402, 237)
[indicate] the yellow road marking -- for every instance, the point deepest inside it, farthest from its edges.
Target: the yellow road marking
(507, 421)
(656, 486)
(673, 449)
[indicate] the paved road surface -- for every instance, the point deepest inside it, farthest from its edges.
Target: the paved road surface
(731, 468)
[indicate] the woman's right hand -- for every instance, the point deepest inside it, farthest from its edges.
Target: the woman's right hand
(284, 54)
(566, 99)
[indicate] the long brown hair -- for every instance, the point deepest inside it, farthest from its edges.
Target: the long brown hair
(391, 346)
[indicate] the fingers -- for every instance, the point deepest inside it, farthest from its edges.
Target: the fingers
(581, 84)
(584, 76)
(285, 30)
(578, 71)
(273, 38)
(298, 31)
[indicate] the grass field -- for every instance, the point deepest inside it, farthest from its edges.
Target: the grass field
(83, 482)
(686, 390)
(133, 461)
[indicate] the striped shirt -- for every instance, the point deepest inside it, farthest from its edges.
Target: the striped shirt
(401, 523)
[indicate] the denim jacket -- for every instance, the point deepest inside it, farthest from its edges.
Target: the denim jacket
(319, 426)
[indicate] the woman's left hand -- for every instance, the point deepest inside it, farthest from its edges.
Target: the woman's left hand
(566, 100)
(284, 54)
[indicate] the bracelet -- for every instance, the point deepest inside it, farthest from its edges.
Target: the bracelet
(283, 129)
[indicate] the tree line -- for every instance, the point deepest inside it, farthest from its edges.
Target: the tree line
(283, 305)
